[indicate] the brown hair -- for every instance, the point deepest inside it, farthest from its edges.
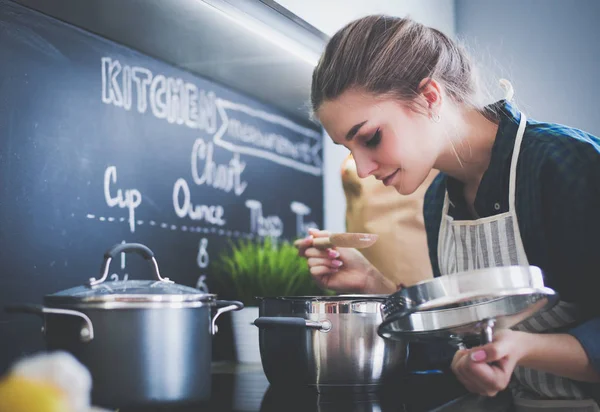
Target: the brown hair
(390, 56)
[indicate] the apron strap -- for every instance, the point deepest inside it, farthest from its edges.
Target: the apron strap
(513, 164)
(513, 188)
(442, 232)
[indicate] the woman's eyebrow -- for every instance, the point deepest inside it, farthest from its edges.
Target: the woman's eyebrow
(353, 130)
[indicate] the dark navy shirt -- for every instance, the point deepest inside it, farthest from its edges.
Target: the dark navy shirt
(557, 206)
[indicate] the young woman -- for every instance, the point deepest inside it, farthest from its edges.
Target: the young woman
(404, 100)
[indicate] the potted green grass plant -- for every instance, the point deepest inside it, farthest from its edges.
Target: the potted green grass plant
(264, 268)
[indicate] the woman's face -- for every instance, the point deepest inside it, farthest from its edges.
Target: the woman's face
(388, 140)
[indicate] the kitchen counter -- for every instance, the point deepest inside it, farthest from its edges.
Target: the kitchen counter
(244, 387)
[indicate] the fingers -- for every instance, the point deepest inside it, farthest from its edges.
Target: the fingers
(492, 377)
(487, 379)
(491, 352)
(319, 233)
(461, 370)
(321, 271)
(333, 264)
(323, 262)
(307, 242)
(483, 377)
(470, 377)
(303, 245)
(325, 254)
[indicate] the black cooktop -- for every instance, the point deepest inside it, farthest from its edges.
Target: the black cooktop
(244, 387)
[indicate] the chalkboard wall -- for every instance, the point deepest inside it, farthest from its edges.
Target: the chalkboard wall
(100, 144)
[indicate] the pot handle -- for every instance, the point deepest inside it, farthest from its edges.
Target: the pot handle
(228, 306)
(114, 251)
(269, 322)
(87, 331)
(483, 337)
(487, 331)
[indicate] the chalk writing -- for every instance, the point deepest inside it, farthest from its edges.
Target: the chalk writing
(263, 225)
(240, 131)
(185, 208)
(300, 149)
(223, 177)
(173, 99)
(203, 259)
(301, 210)
(130, 199)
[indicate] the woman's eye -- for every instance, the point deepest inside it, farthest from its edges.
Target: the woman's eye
(374, 141)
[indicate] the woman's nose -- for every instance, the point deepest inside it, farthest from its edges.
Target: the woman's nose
(364, 166)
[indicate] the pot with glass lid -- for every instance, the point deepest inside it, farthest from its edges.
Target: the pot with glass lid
(143, 341)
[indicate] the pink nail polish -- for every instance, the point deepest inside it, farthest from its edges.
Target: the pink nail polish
(478, 356)
(337, 263)
(333, 254)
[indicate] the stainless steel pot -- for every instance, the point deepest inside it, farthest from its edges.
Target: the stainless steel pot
(144, 342)
(327, 342)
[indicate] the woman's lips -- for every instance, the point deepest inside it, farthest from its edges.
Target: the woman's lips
(388, 180)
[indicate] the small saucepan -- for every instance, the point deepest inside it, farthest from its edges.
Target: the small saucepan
(327, 342)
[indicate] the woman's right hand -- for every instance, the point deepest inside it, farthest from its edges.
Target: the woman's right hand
(342, 270)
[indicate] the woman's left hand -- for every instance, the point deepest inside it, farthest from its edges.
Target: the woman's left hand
(486, 370)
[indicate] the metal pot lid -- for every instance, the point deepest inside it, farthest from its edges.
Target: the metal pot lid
(326, 298)
(133, 291)
(469, 320)
(464, 304)
(326, 304)
(128, 291)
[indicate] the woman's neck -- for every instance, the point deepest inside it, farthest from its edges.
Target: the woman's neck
(467, 154)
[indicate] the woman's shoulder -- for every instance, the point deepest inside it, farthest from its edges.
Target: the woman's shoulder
(561, 156)
(557, 142)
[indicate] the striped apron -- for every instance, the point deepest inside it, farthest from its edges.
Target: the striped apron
(496, 241)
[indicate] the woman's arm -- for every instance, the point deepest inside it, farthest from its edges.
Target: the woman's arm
(570, 213)
(558, 354)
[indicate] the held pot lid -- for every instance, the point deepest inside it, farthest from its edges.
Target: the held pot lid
(458, 306)
(128, 291)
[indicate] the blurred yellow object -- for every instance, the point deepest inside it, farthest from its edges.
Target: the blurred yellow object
(19, 394)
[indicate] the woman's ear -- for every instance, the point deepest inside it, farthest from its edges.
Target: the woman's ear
(431, 92)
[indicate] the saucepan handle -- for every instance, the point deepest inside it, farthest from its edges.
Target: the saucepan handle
(224, 306)
(270, 322)
(87, 330)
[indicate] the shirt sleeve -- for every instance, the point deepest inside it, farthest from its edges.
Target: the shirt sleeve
(571, 222)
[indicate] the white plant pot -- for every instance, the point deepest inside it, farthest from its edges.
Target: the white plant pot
(245, 335)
